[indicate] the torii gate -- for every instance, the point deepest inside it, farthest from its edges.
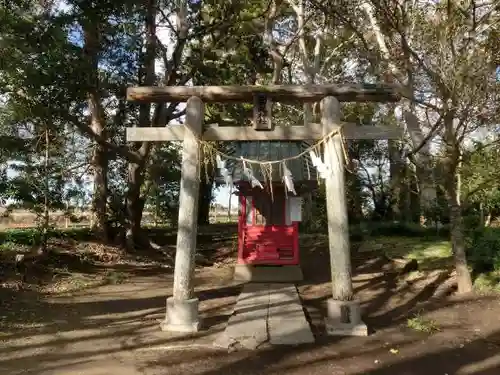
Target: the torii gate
(343, 316)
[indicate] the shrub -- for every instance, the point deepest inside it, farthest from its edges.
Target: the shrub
(421, 324)
(483, 250)
(33, 236)
(389, 229)
(487, 282)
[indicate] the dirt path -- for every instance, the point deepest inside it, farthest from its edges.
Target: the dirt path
(114, 329)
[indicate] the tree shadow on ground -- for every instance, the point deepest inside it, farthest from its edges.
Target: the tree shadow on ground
(123, 321)
(334, 357)
(104, 316)
(128, 324)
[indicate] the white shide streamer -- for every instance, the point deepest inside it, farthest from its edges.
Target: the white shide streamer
(288, 179)
(320, 166)
(247, 171)
(221, 165)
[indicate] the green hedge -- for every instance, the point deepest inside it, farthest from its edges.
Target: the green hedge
(33, 236)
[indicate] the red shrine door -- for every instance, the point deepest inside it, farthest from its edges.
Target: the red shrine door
(266, 233)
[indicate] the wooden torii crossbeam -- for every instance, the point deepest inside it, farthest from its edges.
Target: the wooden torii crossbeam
(278, 93)
(312, 131)
(182, 307)
(241, 94)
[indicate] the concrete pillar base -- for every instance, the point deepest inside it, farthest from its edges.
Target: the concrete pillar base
(182, 316)
(344, 319)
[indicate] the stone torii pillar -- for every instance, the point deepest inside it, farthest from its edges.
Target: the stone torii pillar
(182, 307)
(343, 312)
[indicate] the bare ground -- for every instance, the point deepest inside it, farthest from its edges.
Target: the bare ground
(104, 319)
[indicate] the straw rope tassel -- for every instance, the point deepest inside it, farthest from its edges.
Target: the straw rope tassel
(259, 162)
(266, 166)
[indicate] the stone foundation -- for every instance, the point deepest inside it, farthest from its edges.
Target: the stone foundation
(182, 316)
(344, 319)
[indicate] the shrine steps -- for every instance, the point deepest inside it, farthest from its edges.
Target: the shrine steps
(268, 274)
(266, 314)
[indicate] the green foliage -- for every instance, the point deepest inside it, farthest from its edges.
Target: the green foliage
(21, 236)
(164, 174)
(480, 187)
(375, 229)
(115, 278)
(420, 323)
(487, 282)
(8, 246)
(32, 236)
(318, 218)
(483, 250)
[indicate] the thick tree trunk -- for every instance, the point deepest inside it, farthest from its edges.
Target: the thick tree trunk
(397, 179)
(487, 221)
(424, 167)
(100, 193)
(464, 280)
(404, 197)
(134, 207)
(354, 185)
(136, 171)
(205, 199)
(451, 185)
(99, 158)
(409, 195)
(46, 193)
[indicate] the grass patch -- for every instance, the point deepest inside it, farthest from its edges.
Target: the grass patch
(487, 282)
(390, 229)
(32, 236)
(430, 253)
(421, 324)
(8, 246)
(115, 278)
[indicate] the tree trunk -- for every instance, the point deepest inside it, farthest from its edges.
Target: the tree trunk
(99, 159)
(354, 185)
(409, 195)
(404, 196)
(464, 280)
(134, 207)
(46, 193)
(424, 167)
(100, 193)
(205, 199)
(397, 179)
(487, 221)
(451, 162)
(136, 171)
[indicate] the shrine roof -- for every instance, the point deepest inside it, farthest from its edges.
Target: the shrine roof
(301, 168)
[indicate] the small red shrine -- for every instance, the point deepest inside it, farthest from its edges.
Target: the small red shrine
(268, 226)
(269, 214)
